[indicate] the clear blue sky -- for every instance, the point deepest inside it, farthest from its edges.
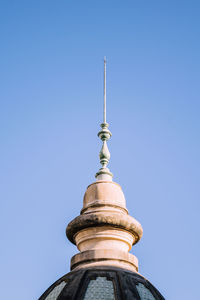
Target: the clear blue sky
(51, 74)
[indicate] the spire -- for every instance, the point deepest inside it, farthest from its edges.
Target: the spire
(104, 134)
(104, 92)
(104, 232)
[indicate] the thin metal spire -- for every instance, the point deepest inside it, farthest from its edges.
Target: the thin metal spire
(104, 94)
(105, 134)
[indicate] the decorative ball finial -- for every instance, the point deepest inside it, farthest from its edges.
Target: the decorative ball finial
(105, 134)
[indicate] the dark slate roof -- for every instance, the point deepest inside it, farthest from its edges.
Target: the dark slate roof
(102, 283)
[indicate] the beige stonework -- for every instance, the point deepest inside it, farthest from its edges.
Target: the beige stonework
(105, 257)
(104, 237)
(104, 194)
(104, 232)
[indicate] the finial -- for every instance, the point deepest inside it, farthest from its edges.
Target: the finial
(105, 134)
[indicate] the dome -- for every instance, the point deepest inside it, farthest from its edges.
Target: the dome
(102, 283)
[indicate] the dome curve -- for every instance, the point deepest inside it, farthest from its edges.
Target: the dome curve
(102, 283)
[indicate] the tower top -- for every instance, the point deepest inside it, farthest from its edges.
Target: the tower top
(104, 232)
(104, 134)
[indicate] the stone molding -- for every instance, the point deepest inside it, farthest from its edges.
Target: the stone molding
(116, 220)
(104, 232)
(108, 257)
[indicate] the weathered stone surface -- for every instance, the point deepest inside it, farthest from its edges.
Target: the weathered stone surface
(107, 257)
(117, 220)
(104, 237)
(104, 232)
(104, 193)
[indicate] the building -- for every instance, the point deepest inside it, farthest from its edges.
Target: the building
(104, 233)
